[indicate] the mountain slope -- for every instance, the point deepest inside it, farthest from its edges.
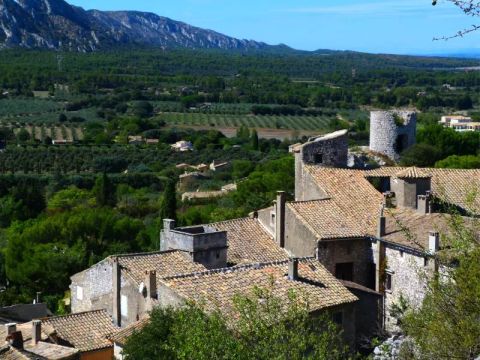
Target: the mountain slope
(54, 24)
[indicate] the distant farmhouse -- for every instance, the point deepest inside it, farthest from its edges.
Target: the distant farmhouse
(342, 241)
(460, 123)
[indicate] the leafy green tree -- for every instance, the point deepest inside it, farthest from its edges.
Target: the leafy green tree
(69, 198)
(265, 327)
(105, 191)
(23, 136)
(168, 203)
(447, 324)
(459, 162)
(142, 109)
(422, 155)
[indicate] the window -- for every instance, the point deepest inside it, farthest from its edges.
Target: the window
(388, 282)
(124, 305)
(338, 318)
(425, 262)
(401, 253)
(79, 293)
(344, 271)
(318, 158)
(272, 219)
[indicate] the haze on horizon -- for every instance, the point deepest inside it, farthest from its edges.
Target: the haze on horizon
(376, 26)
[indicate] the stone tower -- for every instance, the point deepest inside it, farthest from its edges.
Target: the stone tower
(392, 132)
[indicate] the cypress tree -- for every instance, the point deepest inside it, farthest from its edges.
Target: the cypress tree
(168, 204)
(255, 140)
(104, 190)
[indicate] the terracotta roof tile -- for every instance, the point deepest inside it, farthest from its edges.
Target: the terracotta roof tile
(122, 336)
(455, 186)
(413, 173)
(166, 263)
(351, 192)
(10, 353)
(85, 331)
(50, 351)
(217, 288)
(326, 219)
(248, 241)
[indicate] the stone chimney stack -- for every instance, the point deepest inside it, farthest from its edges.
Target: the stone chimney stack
(10, 328)
(382, 223)
(433, 242)
(280, 218)
(151, 284)
(36, 331)
(116, 288)
(424, 204)
(168, 225)
(293, 269)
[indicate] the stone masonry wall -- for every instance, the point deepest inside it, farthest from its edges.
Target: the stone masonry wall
(384, 132)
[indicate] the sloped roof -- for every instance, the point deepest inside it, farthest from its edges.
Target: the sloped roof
(326, 219)
(45, 350)
(409, 228)
(413, 173)
(248, 241)
(86, 331)
(216, 289)
(455, 186)
(166, 263)
(122, 336)
(351, 192)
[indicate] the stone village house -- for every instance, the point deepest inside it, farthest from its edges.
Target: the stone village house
(345, 230)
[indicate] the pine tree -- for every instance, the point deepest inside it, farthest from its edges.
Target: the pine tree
(168, 204)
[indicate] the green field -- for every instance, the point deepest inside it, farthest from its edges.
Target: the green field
(40, 132)
(252, 121)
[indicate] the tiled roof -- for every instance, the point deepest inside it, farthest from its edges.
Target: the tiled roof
(351, 192)
(50, 351)
(326, 219)
(409, 228)
(454, 186)
(85, 331)
(413, 173)
(166, 263)
(8, 352)
(248, 241)
(122, 336)
(216, 289)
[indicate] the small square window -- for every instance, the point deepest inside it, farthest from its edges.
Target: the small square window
(318, 158)
(425, 262)
(272, 219)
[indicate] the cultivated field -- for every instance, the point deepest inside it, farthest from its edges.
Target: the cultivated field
(42, 131)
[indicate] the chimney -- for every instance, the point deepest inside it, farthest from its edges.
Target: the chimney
(151, 284)
(424, 204)
(433, 242)
(168, 224)
(10, 328)
(38, 297)
(116, 288)
(36, 331)
(280, 218)
(382, 223)
(293, 269)
(16, 339)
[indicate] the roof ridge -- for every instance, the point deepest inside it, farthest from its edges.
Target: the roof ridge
(309, 201)
(75, 314)
(243, 267)
(227, 221)
(144, 253)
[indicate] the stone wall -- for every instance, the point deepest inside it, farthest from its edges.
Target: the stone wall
(305, 186)
(357, 251)
(389, 138)
(407, 190)
(409, 272)
(299, 240)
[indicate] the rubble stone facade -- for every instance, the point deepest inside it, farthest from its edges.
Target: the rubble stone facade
(391, 132)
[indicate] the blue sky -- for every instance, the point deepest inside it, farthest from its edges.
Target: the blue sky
(378, 26)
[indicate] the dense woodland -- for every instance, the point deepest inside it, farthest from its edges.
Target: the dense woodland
(64, 208)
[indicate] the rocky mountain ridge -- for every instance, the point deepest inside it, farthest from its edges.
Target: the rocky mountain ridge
(55, 24)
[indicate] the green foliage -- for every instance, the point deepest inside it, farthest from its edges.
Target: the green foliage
(104, 191)
(254, 140)
(69, 199)
(459, 162)
(422, 155)
(447, 324)
(168, 204)
(265, 327)
(23, 136)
